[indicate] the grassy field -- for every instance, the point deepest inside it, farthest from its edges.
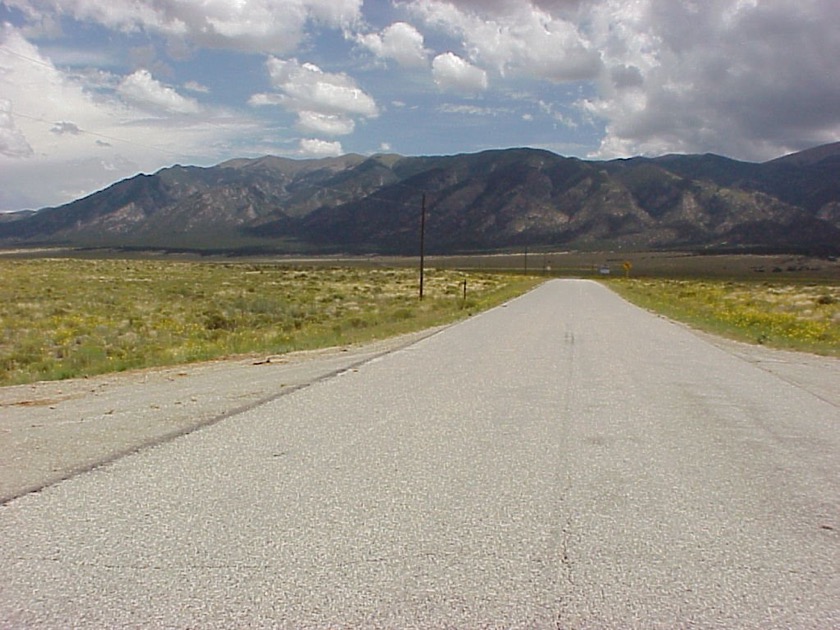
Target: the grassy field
(64, 318)
(69, 317)
(801, 316)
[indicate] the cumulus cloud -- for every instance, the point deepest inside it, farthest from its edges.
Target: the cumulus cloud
(31, 85)
(516, 37)
(399, 41)
(12, 142)
(325, 103)
(145, 91)
(311, 147)
(325, 124)
(70, 124)
(752, 79)
(305, 87)
(264, 99)
(454, 74)
(747, 79)
(276, 26)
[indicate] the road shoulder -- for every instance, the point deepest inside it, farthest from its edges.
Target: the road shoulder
(54, 430)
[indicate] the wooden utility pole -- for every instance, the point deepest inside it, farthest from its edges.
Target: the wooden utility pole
(422, 242)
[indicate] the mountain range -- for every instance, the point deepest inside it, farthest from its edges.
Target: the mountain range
(490, 201)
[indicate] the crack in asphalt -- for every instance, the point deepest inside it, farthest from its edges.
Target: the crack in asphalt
(187, 429)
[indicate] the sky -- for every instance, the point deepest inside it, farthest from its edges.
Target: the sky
(94, 91)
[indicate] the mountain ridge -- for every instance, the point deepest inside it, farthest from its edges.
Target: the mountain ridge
(487, 201)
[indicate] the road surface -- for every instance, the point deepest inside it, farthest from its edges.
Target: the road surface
(564, 461)
(54, 430)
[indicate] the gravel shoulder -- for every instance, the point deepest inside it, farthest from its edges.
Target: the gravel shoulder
(54, 430)
(816, 374)
(50, 431)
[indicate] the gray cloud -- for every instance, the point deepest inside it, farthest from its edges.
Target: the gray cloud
(64, 127)
(747, 79)
(752, 79)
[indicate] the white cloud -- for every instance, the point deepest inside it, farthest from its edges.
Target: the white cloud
(263, 99)
(454, 74)
(13, 144)
(515, 37)
(326, 124)
(46, 98)
(399, 41)
(74, 57)
(271, 26)
(319, 148)
(305, 87)
(472, 110)
(70, 125)
(560, 117)
(325, 103)
(145, 91)
(195, 86)
(747, 79)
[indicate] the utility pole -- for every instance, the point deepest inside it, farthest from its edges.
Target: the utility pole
(422, 242)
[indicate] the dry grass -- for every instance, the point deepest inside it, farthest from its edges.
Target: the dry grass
(798, 316)
(67, 318)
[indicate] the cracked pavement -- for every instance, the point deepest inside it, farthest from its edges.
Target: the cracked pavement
(54, 430)
(564, 461)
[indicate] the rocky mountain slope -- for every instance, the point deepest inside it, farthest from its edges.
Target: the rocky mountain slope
(475, 202)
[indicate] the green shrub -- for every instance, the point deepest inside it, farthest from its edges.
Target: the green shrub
(66, 318)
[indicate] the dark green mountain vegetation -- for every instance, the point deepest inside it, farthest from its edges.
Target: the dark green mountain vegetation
(490, 201)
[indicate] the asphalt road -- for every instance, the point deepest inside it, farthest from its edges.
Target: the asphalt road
(55, 430)
(564, 461)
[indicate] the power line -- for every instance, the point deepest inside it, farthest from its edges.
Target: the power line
(99, 135)
(372, 197)
(84, 131)
(27, 58)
